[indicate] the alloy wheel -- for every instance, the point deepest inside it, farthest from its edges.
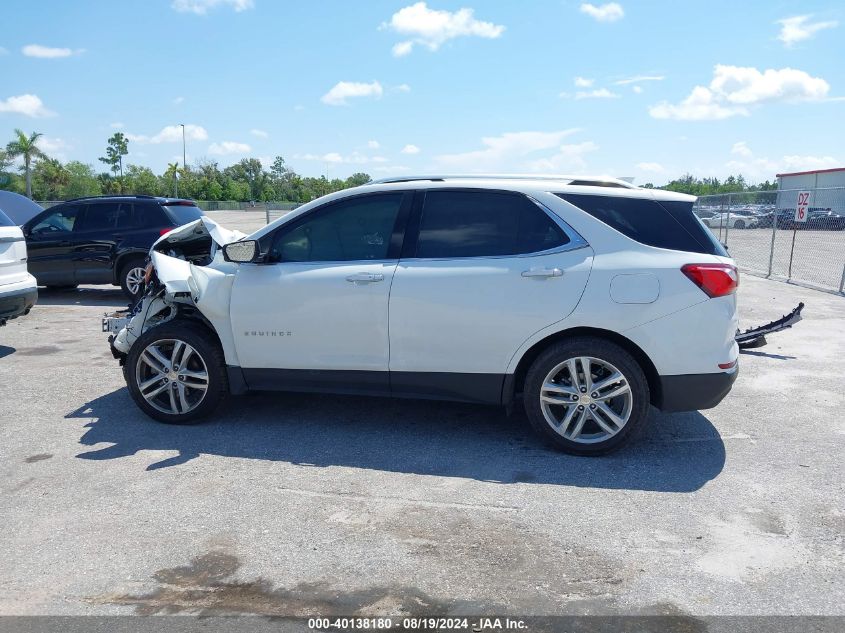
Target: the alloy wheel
(586, 400)
(135, 280)
(172, 376)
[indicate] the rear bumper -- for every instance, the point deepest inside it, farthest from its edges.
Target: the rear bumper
(17, 299)
(692, 392)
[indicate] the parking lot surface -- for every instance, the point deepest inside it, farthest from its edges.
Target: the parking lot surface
(290, 504)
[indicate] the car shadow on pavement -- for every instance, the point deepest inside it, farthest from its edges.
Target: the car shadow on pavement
(675, 453)
(106, 296)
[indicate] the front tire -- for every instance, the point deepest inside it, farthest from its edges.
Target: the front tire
(176, 372)
(586, 396)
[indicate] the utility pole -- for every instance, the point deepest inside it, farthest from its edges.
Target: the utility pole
(184, 160)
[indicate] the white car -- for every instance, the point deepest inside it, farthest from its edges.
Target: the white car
(588, 300)
(731, 220)
(18, 290)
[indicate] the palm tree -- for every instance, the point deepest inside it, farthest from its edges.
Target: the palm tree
(25, 147)
(171, 172)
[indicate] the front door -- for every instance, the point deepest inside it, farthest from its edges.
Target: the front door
(49, 245)
(314, 314)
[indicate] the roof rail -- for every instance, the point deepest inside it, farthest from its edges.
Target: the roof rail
(114, 195)
(594, 181)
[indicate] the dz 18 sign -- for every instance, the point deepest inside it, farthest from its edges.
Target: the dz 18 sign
(803, 206)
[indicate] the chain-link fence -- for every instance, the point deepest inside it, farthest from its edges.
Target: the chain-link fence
(763, 236)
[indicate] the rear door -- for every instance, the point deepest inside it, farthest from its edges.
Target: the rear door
(12, 252)
(49, 242)
(483, 272)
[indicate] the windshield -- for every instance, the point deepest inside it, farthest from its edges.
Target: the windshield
(182, 214)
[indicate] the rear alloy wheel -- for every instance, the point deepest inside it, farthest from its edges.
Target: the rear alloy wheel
(132, 278)
(740, 224)
(586, 396)
(175, 373)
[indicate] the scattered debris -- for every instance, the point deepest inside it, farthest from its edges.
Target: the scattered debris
(756, 336)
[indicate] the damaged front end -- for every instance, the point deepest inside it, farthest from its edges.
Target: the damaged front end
(187, 278)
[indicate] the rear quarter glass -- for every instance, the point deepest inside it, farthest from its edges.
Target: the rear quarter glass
(180, 214)
(669, 225)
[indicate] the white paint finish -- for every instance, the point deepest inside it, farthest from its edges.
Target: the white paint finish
(635, 288)
(13, 257)
(470, 315)
(691, 341)
(333, 323)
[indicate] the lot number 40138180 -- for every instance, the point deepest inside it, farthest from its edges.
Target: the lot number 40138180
(802, 206)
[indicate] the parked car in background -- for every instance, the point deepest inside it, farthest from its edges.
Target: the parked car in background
(818, 219)
(101, 240)
(18, 291)
(734, 220)
(18, 208)
(584, 299)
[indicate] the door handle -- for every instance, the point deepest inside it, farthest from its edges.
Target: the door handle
(365, 277)
(543, 272)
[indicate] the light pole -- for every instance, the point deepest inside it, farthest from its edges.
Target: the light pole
(184, 162)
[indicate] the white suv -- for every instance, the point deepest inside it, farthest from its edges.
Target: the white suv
(18, 290)
(588, 299)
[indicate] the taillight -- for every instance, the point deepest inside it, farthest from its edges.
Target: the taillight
(164, 231)
(716, 280)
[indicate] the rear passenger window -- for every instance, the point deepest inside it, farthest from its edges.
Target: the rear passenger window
(127, 216)
(650, 223)
(457, 224)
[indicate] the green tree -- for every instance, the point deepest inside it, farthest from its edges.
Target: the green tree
(50, 179)
(141, 180)
(25, 147)
(117, 148)
(82, 181)
(171, 176)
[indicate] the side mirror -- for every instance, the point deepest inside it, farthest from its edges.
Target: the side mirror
(242, 252)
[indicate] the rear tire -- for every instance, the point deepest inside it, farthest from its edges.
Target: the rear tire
(740, 224)
(176, 372)
(132, 278)
(586, 415)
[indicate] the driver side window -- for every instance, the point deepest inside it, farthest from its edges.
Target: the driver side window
(356, 229)
(60, 221)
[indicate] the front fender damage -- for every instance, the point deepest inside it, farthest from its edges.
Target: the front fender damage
(189, 279)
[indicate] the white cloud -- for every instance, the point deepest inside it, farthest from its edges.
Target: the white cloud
(601, 93)
(433, 28)
(637, 89)
(258, 133)
(799, 28)
(403, 88)
(172, 134)
(224, 148)
(27, 105)
(373, 144)
(569, 158)
(3, 51)
(655, 168)
(355, 158)
(639, 79)
(47, 52)
(506, 151)
(52, 145)
(609, 12)
(741, 148)
(583, 82)
(344, 90)
(116, 125)
(391, 169)
(202, 7)
(734, 87)
(178, 100)
(410, 149)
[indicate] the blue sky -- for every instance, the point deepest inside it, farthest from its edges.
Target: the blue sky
(646, 89)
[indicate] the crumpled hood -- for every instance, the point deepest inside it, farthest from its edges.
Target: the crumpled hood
(198, 228)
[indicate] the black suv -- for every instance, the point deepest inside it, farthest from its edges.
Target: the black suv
(101, 240)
